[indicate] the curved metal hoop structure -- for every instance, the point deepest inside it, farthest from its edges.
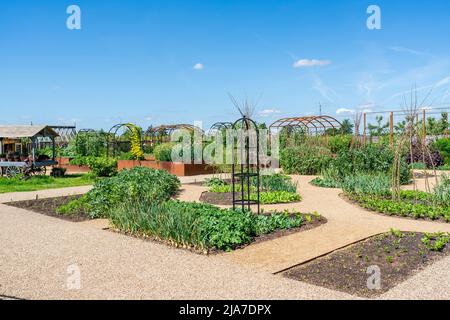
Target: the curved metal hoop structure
(112, 134)
(313, 125)
(157, 134)
(221, 126)
(245, 170)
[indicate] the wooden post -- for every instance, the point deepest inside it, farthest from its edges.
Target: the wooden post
(391, 128)
(364, 129)
(424, 127)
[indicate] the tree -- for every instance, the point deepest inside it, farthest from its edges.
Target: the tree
(346, 127)
(378, 129)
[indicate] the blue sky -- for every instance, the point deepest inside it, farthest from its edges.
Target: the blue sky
(133, 61)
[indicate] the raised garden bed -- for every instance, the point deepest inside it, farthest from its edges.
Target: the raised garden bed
(178, 169)
(49, 206)
(399, 255)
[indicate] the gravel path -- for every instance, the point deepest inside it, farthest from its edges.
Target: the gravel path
(36, 252)
(347, 224)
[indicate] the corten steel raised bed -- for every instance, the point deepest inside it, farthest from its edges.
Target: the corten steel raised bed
(75, 169)
(178, 169)
(63, 160)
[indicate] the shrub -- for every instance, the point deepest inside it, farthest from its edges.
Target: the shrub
(196, 225)
(102, 166)
(163, 152)
(305, 159)
(339, 143)
(370, 159)
(431, 158)
(136, 184)
(443, 146)
(276, 182)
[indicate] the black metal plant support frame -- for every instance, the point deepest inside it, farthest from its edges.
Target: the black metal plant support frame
(244, 171)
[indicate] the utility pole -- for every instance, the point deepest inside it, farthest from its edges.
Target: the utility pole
(320, 109)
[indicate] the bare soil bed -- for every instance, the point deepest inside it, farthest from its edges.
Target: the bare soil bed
(398, 257)
(49, 206)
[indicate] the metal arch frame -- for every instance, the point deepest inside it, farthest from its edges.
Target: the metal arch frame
(165, 130)
(318, 123)
(113, 133)
(244, 172)
(221, 125)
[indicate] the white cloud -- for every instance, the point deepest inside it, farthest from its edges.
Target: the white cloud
(407, 50)
(198, 66)
(442, 82)
(148, 118)
(344, 110)
(303, 63)
(268, 112)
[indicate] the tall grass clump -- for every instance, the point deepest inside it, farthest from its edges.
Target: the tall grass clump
(195, 225)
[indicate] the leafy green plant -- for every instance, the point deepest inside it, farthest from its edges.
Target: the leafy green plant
(163, 152)
(339, 143)
(195, 225)
(305, 159)
(102, 166)
(367, 184)
(436, 241)
(273, 197)
(136, 184)
(443, 146)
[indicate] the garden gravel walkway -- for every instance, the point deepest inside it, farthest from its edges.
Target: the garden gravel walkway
(36, 251)
(347, 223)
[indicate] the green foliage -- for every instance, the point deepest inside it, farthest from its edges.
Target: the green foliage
(276, 182)
(136, 184)
(273, 197)
(305, 159)
(443, 146)
(436, 241)
(367, 184)
(102, 166)
(402, 208)
(195, 225)
(371, 159)
(163, 152)
(214, 182)
(339, 143)
(92, 144)
(17, 184)
(441, 192)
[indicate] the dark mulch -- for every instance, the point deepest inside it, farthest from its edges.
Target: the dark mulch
(347, 269)
(49, 206)
(219, 198)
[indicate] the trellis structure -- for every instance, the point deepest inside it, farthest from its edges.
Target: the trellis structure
(312, 125)
(243, 170)
(159, 134)
(112, 141)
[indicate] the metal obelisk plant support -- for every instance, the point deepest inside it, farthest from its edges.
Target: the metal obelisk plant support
(245, 171)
